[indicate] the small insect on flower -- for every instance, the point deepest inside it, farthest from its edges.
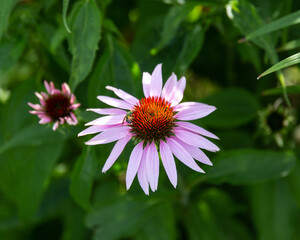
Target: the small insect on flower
(128, 117)
(158, 125)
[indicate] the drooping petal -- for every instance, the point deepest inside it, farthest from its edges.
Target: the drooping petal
(156, 82)
(142, 174)
(104, 111)
(124, 95)
(168, 162)
(107, 120)
(133, 164)
(96, 129)
(194, 112)
(152, 165)
(109, 135)
(194, 128)
(36, 106)
(169, 88)
(195, 152)
(55, 125)
(74, 118)
(178, 95)
(195, 140)
(45, 119)
(116, 151)
(115, 102)
(183, 155)
(146, 84)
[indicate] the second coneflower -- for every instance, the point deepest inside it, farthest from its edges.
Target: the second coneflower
(56, 106)
(158, 123)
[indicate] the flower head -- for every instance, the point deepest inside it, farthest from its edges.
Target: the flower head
(158, 124)
(57, 106)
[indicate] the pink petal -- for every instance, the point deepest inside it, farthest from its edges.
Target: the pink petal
(55, 126)
(66, 89)
(168, 162)
(124, 95)
(96, 129)
(107, 111)
(109, 135)
(187, 105)
(45, 119)
(146, 84)
(74, 118)
(35, 106)
(36, 112)
(134, 163)
(55, 91)
(107, 120)
(115, 102)
(47, 86)
(38, 95)
(195, 152)
(178, 95)
(194, 112)
(169, 88)
(75, 105)
(142, 174)
(183, 155)
(72, 98)
(194, 128)
(156, 82)
(116, 151)
(195, 140)
(152, 165)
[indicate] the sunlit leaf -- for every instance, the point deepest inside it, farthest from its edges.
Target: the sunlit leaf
(64, 14)
(288, 20)
(175, 16)
(292, 60)
(290, 45)
(278, 91)
(83, 42)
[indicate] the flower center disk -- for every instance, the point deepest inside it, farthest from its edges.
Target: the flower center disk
(152, 119)
(57, 106)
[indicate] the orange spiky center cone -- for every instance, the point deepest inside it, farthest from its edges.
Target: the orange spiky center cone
(152, 119)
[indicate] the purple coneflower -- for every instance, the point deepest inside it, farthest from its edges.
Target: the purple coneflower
(57, 106)
(158, 124)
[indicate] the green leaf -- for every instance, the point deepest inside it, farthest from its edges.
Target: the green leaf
(82, 178)
(273, 210)
(25, 172)
(292, 60)
(116, 67)
(278, 91)
(250, 166)
(83, 42)
(289, 45)
(64, 14)
(192, 44)
(161, 222)
(235, 107)
(126, 215)
(10, 52)
(286, 21)
(6, 7)
(174, 17)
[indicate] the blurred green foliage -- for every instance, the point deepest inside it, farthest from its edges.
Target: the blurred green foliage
(51, 185)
